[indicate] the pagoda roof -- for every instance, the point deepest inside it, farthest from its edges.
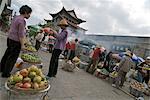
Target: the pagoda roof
(70, 13)
(9, 2)
(74, 25)
(70, 23)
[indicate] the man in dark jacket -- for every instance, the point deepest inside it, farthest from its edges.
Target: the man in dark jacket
(124, 66)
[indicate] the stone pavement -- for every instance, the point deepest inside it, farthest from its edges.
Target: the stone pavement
(71, 86)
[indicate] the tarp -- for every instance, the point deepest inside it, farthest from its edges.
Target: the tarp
(134, 57)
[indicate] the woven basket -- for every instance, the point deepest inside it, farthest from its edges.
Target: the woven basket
(26, 90)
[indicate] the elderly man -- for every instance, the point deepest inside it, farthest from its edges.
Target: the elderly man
(124, 66)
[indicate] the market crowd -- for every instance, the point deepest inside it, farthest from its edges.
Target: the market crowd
(56, 43)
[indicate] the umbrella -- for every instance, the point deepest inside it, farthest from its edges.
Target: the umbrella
(134, 57)
(140, 59)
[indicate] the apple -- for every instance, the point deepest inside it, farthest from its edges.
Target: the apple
(27, 79)
(33, 68)
(42, 84)
(17, 78)
(32, 75)
(19, 84)
(39, 72)
(35, 85)
(24, 72)
(26, 85)
(28, 69)
(11, 81)
(18, 73)
(37, 79)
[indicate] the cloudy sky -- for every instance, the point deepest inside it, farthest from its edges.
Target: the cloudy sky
(123, 17)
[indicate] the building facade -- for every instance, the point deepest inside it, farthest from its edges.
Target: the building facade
(72, 20)
(137, 44)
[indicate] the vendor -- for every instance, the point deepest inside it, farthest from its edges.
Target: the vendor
(107, 61)
(15, 41)
(73, 49)
(61, 39)
(95, 58)
(124, 66)
(143, 74)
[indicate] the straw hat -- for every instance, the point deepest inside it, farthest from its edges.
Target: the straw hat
(128, 53)
(148, 58)
(98, 46)
(63, 22)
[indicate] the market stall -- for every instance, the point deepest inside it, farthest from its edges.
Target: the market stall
(27, 80)
(27, 83)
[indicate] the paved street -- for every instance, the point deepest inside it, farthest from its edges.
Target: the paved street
(71, 86)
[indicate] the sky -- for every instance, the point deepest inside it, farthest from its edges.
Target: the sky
(119, 17)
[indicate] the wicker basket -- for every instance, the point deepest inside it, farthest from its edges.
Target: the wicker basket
(135, 92)
(28, 94)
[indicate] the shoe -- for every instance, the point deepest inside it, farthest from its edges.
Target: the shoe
(113, 85)
(48, 77)
(121, 86)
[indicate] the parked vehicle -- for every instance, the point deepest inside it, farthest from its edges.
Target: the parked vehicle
(84, 48)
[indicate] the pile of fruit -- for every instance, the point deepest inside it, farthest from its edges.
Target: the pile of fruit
(30, 48)
(114, 74)
(29, 57)
(31, 78)
(146, 68)
(138, 86)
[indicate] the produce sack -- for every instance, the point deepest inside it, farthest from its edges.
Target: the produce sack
(68, 66)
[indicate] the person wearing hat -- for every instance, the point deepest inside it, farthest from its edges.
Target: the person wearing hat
(39, 38)
(125, 65)
(61, 39)
(95, 58)
(144, 75)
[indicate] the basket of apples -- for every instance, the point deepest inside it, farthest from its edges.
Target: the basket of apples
(29, 80)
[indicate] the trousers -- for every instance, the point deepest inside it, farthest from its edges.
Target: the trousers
(10, 56)
(54, 62)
